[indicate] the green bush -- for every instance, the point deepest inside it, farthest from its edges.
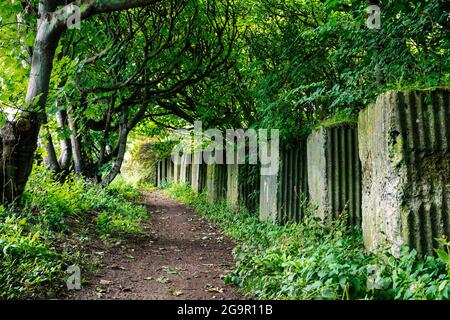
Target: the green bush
(311, 260)
(34, 233)
(83, 201)
(120, 188)
(28, 266)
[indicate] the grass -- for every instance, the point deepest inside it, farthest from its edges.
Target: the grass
(345, 117)
(311, 260)
(45, 233)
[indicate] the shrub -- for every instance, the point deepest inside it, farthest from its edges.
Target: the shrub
(34, 234)
(55, 202)
(28, 266)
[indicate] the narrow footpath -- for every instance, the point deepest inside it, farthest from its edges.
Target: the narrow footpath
(181, 257)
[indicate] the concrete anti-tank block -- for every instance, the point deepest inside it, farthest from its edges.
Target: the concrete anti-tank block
(404, 146)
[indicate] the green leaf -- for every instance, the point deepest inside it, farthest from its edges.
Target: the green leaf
(443, 255)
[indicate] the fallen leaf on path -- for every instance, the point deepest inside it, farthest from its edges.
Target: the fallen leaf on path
(208, 264)
(106, 282)
(171, 271)
(149, 278)
(164, 280)
(130, 257)
(101, 290)
(210, 288)
(116, 267)
(176, 293)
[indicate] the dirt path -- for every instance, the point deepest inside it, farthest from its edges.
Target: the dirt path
(182, 257)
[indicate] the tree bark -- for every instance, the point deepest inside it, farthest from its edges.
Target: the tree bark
(51, 160)
(20, 138)
(104, 141)
(117, 164)
(75, 142)
(66, 146)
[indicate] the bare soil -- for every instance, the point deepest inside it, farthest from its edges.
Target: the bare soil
(182, 256)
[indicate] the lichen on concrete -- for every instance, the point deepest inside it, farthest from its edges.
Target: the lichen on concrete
(404, 150)
(233, 186)
(317, 172)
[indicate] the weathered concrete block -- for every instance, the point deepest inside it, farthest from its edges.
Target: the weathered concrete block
(404, 146)
(233, 186)
(268, 200)
(158, 174)
(163, 171)
(334, 172)
(211, 183)
(169, 166)
(268, 209)
(176, 173)
(195, 173)
(317, 172)
(184, 168)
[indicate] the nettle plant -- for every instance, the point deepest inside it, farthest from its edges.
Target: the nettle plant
(444, 253)
(313, 260)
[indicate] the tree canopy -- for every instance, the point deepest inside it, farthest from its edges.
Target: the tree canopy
(149, 66)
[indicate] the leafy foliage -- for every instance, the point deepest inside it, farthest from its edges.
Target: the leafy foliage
(316, 261)
(29, 267)
(78, 199)
(306, 60)
(34, 236)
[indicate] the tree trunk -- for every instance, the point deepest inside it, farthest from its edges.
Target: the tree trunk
(66, 146)
(51, 160)
(75, 141)
(104, 141)
(20, 138)
(117, 164)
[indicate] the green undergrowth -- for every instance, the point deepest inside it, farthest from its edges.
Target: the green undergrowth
(311, 260)
(346, 117)
(45, 233)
